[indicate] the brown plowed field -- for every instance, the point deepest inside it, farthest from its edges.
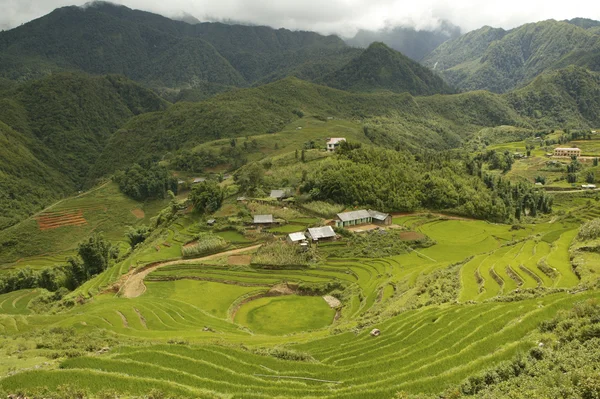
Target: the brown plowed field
(55, 220)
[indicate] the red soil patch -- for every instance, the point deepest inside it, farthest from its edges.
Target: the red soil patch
(138, 213)
(411, 236)
(54, 220)
(239, 259)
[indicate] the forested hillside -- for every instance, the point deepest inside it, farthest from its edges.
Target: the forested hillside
(381, 68)
(104, 38)
(55, 129)
(499, 61)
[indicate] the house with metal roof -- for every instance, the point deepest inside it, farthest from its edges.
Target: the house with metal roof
(198, 180)
(362, 216)
(263, 219)
(277, 194)
(294, 238)
(380, 217)
(353, 218)
(321, 233)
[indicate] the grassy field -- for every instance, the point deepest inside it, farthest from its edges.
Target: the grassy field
(104, 210)
(285, 315)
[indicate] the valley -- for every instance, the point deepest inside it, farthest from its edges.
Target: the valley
(216, 210)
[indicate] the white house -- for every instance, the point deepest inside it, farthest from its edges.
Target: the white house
(333, 143)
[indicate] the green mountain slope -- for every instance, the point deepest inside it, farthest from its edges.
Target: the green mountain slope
(381, 68)
(568, 96)
(26, 183)
(394, 119)
(499, 61)
(55, 128)
(104, 38)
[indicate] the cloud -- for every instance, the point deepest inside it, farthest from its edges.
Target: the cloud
(343, 17)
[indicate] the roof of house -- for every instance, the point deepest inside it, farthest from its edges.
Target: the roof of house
(335, 140)
(378, 215)
(211, 221)
(588, 186)
(567, 148)
(321, 232)
(263, 219)
(180, 181)
(199, 179)
(297, 236)
(354, 215)
(277, 194)
(241, 198)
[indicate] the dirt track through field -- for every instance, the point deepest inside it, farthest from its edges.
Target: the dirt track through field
(134, 285)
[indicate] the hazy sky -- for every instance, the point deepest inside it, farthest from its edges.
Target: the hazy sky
(337, 16)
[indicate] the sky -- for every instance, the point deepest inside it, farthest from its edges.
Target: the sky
(342, 17)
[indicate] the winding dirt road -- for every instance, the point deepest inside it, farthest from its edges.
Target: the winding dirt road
(134, 285)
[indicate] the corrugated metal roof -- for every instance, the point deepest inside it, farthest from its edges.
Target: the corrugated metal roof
(354, 215)
(321, 232)
(297, 236)
(199, 179)
(378, 215)
(277, 194)
(263, 218)
(568, 148)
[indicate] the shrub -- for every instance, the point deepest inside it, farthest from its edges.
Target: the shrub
(590, 230)
(205, 243)
(281, 254)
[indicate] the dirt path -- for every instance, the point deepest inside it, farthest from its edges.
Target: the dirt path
(134, 285)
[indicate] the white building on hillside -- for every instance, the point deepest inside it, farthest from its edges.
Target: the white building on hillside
(333, 143)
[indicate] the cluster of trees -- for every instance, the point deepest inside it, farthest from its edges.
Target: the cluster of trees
(397, 181)
(94, 255)
(207, 196)
(200, 160)
(502, 161)
(141, 183)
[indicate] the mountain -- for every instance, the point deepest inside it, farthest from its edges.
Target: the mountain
(498, 60)
(381, 68)
(53, 130)
(435, 122)
(570, 95)
(103, 38)
(411, 42)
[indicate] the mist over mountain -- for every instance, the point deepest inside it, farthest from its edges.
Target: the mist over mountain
(411, 42)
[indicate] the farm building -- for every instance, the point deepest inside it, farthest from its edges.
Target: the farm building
(321, 233)
(278, 194)
(211, 222)
(333, 143)
(264, 219)
(380, 217)
(362, 217)
(567, 152)
(198, 180)
(588, 186)
(295, 238)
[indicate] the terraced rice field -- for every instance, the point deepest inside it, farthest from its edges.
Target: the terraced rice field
(424, 350)
(226, 317)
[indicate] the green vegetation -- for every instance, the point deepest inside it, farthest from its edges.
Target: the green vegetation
(285, 314)
(499, 60)
(142, 183)
(206, 196)
(381, 68)
(203, 244)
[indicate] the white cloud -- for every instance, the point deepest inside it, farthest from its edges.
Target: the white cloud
(338, 16)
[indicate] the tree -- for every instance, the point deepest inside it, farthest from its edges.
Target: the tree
(137, 235)
(303, 156)
(96, 254)
(595, 161)
(250, 177)
(590, 177)
(207, 197)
